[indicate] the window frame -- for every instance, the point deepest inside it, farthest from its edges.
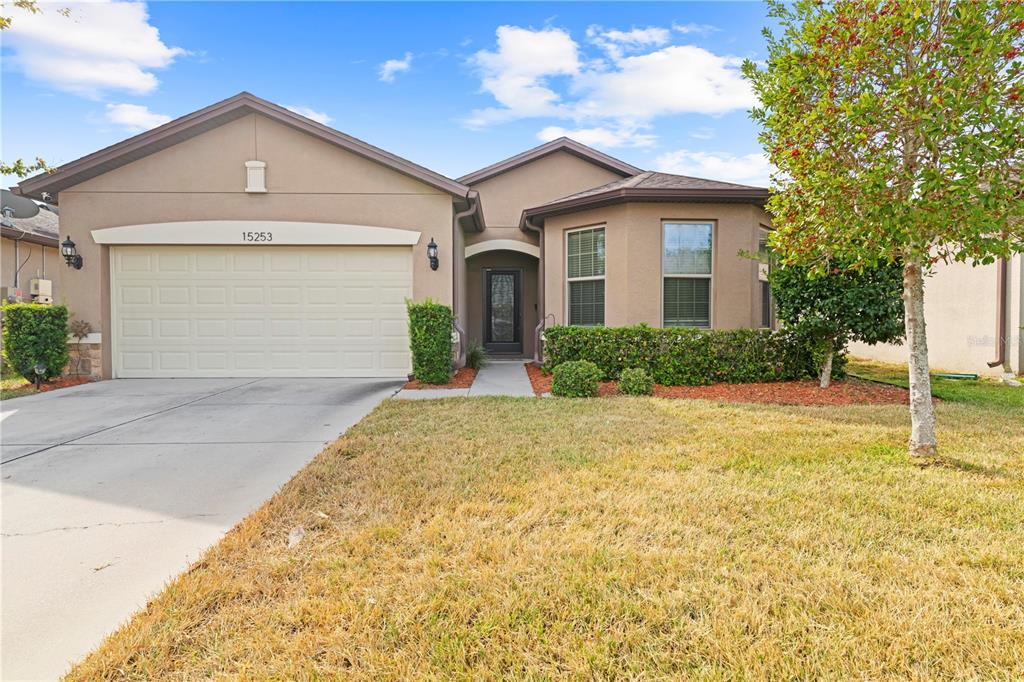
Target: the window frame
(710, 276)
(763, 232)
(569, 280)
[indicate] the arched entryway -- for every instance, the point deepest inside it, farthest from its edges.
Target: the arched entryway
(501, 297)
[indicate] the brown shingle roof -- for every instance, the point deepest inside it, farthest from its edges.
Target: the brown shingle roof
(651, 186)
(42, 228)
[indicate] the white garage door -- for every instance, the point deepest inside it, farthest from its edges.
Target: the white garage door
(255, 311)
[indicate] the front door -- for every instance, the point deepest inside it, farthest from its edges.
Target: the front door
(503, 311)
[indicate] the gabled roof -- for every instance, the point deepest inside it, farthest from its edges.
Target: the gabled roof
(651, 186)
(191, 125)
(562, 144)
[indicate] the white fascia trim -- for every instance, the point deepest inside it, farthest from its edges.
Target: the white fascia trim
(503, 245)
(234, 232)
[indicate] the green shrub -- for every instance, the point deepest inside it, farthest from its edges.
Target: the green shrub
(636, 381)
(33, 335)
(576, 379)
(430, 340)
(476, 355)
(686, 356)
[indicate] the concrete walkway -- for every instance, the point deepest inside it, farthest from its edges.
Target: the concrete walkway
(498, 377)
(502, 377)
(110, 489)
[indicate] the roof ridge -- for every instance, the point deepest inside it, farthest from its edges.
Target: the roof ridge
(562, 143)
(697, 177)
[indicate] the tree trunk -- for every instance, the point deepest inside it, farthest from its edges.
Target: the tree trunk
(922, 414)
(826, 366)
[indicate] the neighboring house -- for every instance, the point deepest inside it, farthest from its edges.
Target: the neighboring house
(973, 316)
(29, 250)
(246, 240)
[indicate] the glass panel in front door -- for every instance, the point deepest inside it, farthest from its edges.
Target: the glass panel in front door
(503, 307)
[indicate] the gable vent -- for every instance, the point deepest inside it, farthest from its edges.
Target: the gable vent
(256, 176)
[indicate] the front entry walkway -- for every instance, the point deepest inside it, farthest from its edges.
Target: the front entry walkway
(502, 377)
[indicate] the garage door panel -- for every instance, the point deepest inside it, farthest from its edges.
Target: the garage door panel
(260, 311)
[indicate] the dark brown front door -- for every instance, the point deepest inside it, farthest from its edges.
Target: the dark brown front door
(503, 311)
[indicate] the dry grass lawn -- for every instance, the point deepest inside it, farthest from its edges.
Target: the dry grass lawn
(624, 537)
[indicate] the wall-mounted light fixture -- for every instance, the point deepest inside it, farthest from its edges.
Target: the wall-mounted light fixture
(432, 254)
(70, 253)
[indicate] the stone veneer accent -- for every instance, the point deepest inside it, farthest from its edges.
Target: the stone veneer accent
(89, 363)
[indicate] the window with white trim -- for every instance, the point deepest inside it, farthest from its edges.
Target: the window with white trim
(585, 276)
(686, 274)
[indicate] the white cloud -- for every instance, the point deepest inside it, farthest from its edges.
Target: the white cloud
(679, 79)
(703, 133)
(616, 42)
(318, 116)
(615, 96)
(135, 117)
(748, 169)
(517, 74)
(393, 66)
(702, 29)
(99, 47)
(609, 138)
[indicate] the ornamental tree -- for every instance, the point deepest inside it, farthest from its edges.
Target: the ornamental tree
(898, 132)
(839, 307)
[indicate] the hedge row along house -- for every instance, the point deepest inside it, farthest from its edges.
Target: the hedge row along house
(247, 240)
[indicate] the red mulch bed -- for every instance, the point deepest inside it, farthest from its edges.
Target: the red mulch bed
(63, 382)
(462, 379)
(807, 392)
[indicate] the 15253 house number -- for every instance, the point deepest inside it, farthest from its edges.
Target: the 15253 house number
(257, 236)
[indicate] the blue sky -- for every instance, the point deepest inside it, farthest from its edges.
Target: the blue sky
(451, 86)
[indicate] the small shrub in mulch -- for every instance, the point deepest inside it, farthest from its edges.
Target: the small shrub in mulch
(462, 379)
(805, 392)
(576, 379)
(636, 381)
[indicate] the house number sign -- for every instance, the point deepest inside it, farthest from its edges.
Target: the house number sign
(257, 236)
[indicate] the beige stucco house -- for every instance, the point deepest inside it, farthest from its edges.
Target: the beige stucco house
(974, 317)
(246, 240)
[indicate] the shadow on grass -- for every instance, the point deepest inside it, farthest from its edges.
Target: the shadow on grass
(957, 464)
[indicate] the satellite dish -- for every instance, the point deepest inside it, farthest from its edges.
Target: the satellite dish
(18, 207)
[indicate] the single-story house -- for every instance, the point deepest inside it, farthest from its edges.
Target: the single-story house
(29, 251)
(246, 240)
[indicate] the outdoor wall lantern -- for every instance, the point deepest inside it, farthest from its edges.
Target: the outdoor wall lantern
(71, 257)
(432, 254)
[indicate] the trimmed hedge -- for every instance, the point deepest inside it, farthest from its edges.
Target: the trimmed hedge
(576, 379)
(430, 340)
(636, 381)
(33, 335)
(684, 356)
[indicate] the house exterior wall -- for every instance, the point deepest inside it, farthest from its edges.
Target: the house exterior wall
(203, 178)
(633, 272)
(960, 317)
(534, 183)
(511, 260)
(37, 261)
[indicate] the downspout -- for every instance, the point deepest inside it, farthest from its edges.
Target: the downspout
(1002, 300)
(539, 331)
(474, 206)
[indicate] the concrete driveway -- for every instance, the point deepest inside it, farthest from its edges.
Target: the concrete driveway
(110, 489)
